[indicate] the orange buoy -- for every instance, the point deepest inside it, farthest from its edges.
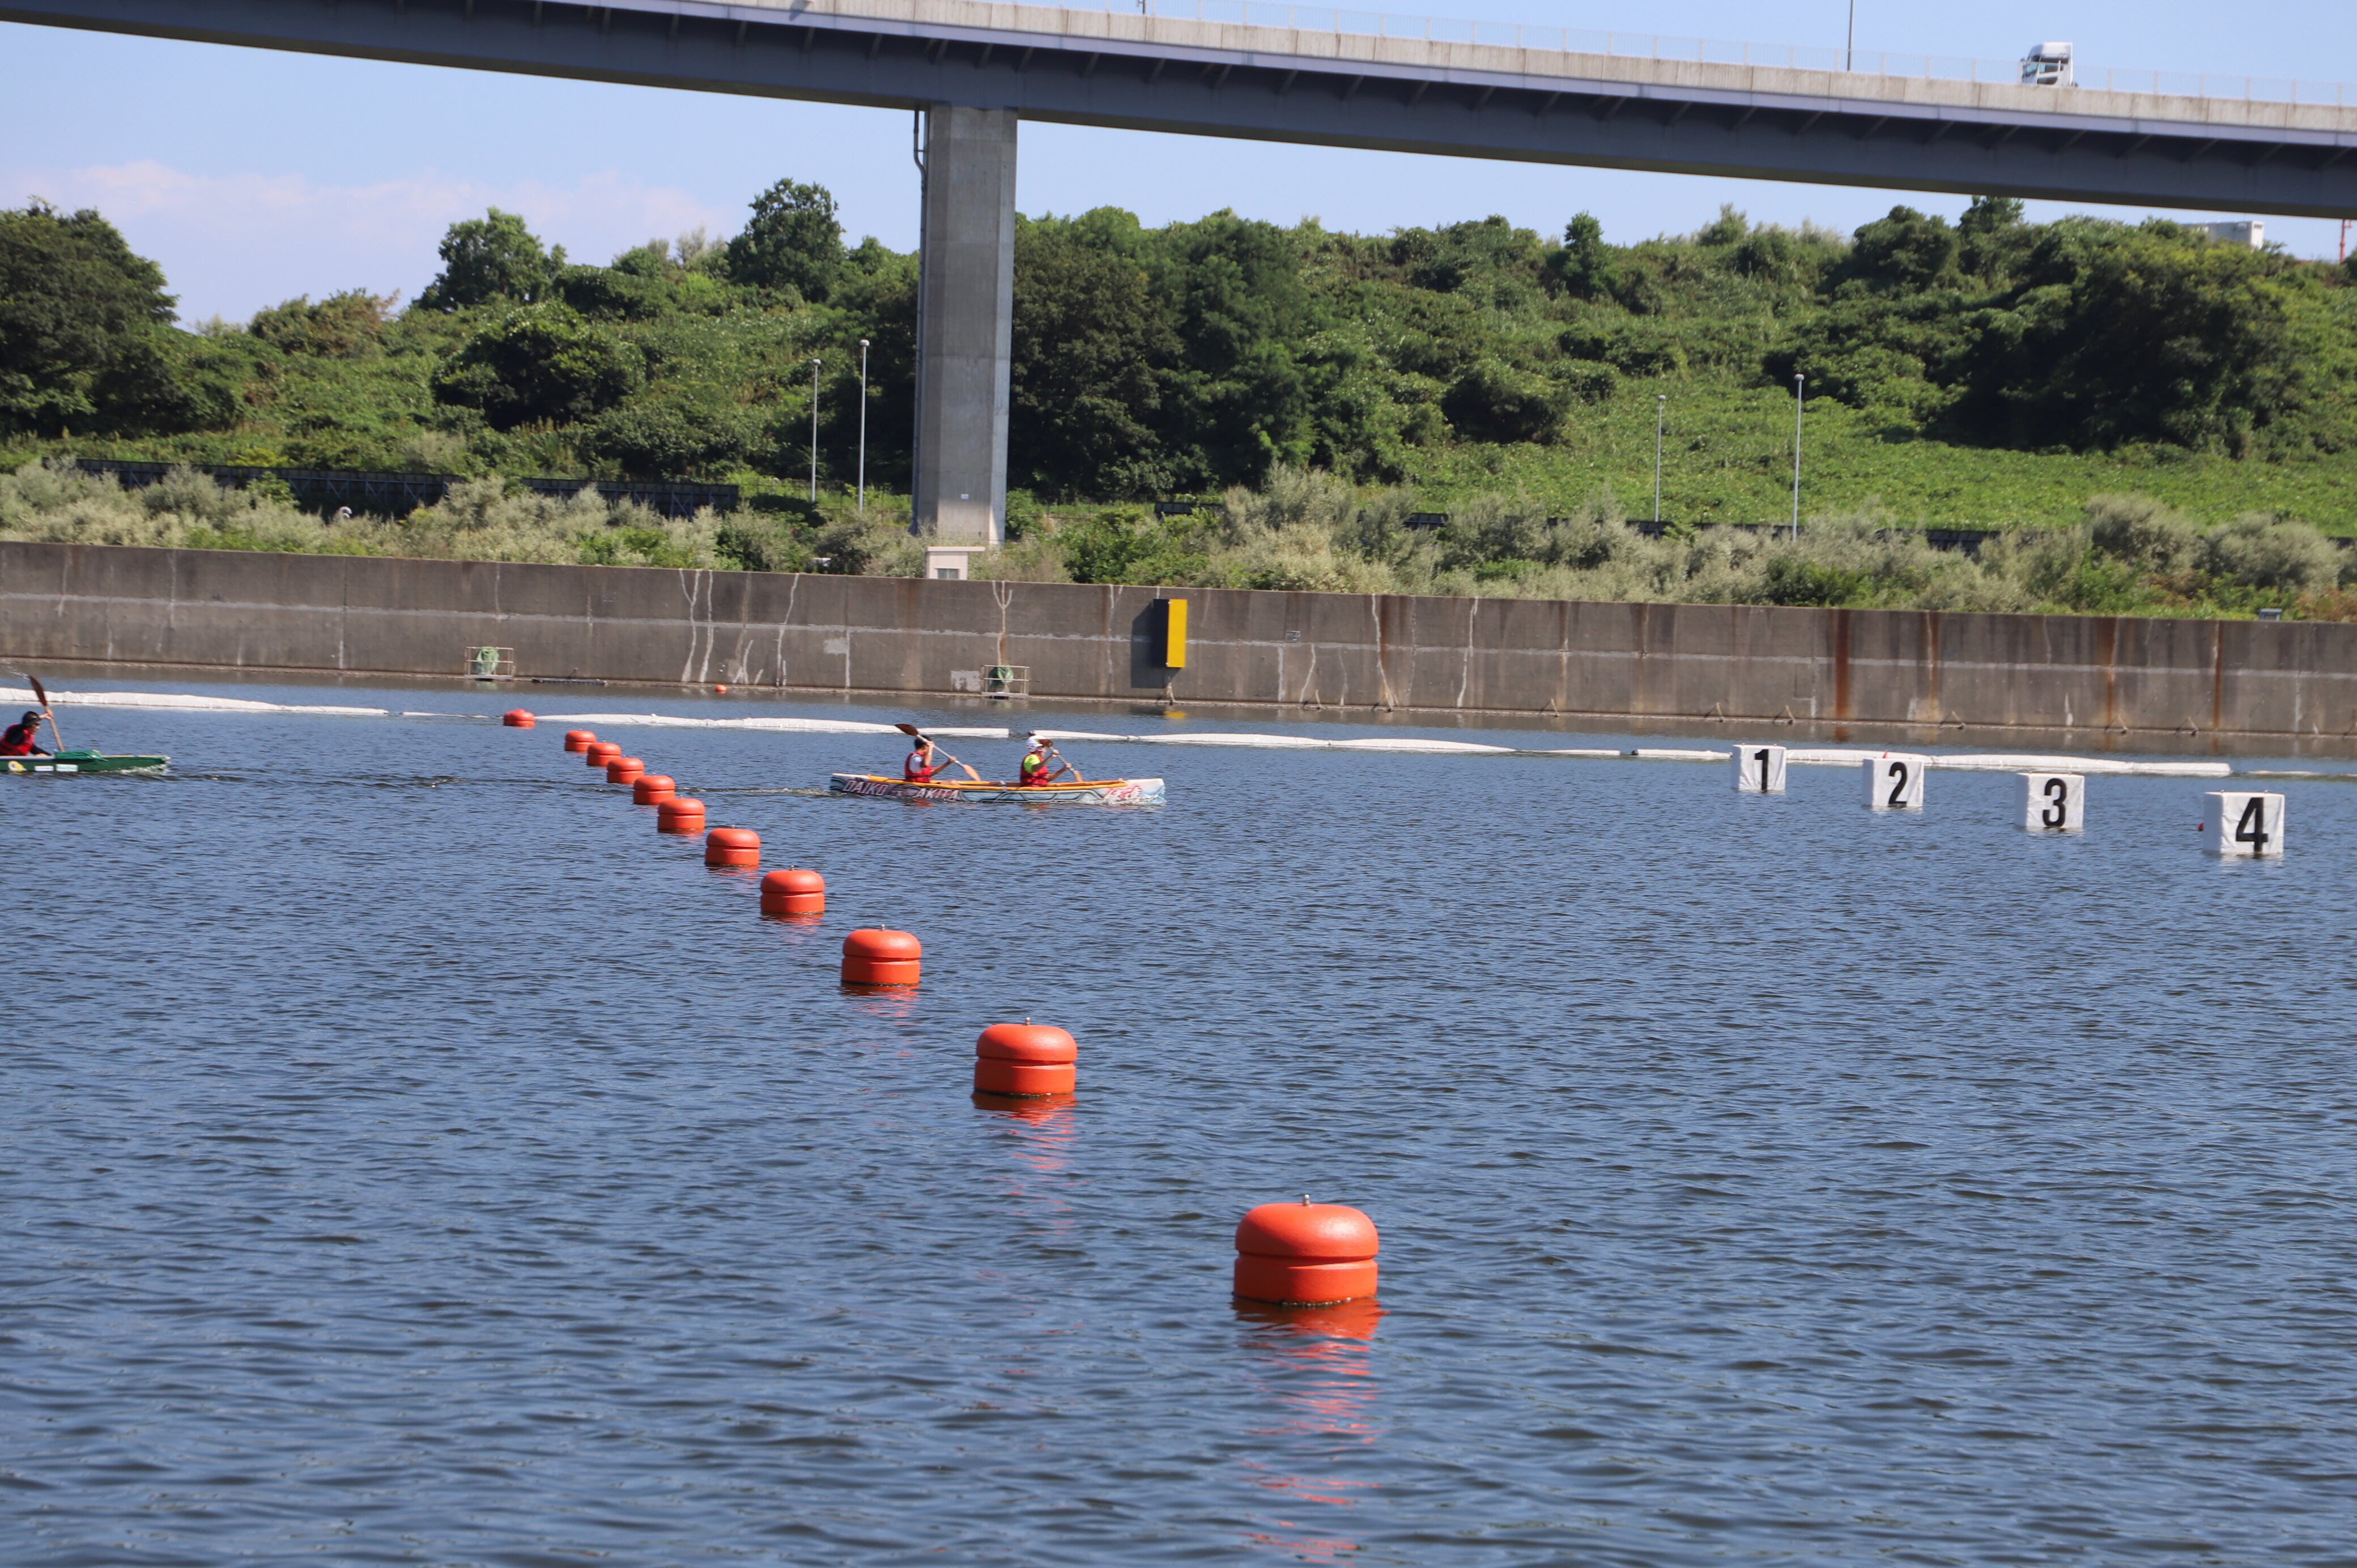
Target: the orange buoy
(872, 956)
(654, 790)
(732, 846)
(721, 691)
(624, 770)
(1305, 1254)
(518, 718)
(580, 739)
(793, 892)
(599, 753)
(1025, 1059)
(679, 815)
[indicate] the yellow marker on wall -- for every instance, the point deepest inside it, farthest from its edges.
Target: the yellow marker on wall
(1173, 634)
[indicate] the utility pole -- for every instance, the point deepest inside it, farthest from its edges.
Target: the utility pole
(814, 495)
(1661, 413)
(863, 428)
(1799, 401)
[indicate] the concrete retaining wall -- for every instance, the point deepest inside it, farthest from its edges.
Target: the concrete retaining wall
(225, 608)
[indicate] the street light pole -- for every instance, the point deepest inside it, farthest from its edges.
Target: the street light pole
(814, 495)
(863, 428)
(1849, 53)
(1661, 413)
(1799, 401)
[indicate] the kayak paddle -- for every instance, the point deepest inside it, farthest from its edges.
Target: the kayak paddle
(42, 692)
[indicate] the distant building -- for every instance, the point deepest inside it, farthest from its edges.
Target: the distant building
(2243, 232)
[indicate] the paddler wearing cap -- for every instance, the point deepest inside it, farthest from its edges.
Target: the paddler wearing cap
(24, 737)
(1035, 770)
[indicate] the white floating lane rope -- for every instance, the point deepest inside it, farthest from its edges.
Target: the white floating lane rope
(184, 701)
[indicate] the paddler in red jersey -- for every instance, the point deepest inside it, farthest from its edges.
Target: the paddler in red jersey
(24, 739)
(925, 761)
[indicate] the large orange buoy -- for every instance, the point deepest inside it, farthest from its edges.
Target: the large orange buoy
(654, 790)
(599, 753)
(624, 770)
(518, 718)
(1305, 1254)
(872, 956)
(1025, 1059)
(679, 815)
(580, 739)
(793, 892)
(732, 846)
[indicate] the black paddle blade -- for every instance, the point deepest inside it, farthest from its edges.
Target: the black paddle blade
(39, 691)
(911, 729)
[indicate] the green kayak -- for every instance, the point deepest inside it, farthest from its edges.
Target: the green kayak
(83, 762)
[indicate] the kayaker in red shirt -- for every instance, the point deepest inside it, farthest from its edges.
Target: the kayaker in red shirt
(922, 763)
(24, 739)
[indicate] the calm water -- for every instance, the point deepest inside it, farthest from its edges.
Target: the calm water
(407, 1158)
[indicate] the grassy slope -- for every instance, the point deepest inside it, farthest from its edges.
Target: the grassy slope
(1727, 458)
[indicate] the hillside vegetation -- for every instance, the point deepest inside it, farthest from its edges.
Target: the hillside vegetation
(1989, 373)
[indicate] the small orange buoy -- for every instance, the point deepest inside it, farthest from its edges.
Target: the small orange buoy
(518, 718)
(1305, 1254)
(721, 691)
(599, 753)
(580, 739)
(793, 893)
(732, 846)
(872, 956)
(624, 770)
(679, 815)
(654, 790)
(1025, 1059)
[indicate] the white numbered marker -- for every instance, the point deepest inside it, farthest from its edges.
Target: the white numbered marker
(2054, 802)
(1760, 769)
(2246, 824)
(1894, 781)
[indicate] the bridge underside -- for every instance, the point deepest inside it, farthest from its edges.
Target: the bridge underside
(1138, 84)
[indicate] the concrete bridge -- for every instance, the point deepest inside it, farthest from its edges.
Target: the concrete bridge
(1290, 73)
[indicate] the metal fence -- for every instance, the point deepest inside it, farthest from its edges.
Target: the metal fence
(324, 490)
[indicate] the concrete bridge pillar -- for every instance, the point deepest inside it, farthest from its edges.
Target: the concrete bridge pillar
(965, 317)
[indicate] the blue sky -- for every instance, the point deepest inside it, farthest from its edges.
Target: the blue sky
(253, 176)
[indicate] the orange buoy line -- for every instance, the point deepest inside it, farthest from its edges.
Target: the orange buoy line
(654, 790)
(679, 815)
(580, 739)
(874, 956)
(624, 770)
(1305, 1254)
(793, 892)
(599, 753)
(732, 846)
(518, 718)
(1025, 1059)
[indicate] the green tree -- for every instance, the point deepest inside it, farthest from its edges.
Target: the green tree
(793, 241)
(85, 339)
(1584, 267)
(1904, 250)
(1089, 340)
(491, 258)
(541, 363)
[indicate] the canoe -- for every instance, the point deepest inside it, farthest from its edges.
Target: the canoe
(83, 762)
(1096, 792)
